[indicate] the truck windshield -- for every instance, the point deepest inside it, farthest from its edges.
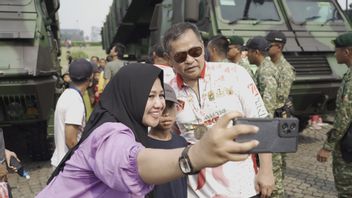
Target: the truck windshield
(321, 12)
(259, 10)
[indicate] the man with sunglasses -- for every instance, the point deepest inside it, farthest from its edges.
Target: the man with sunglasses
(205, 91)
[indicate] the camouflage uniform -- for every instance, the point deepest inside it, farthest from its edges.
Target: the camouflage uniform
(245, 64)
(267, 77)
(286, 77)
(342, 171)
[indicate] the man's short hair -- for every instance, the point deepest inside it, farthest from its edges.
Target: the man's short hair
(219, 42)
(120, 49)
(158, 50)
(175, 31)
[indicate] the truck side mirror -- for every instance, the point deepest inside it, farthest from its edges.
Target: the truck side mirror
(191, 10)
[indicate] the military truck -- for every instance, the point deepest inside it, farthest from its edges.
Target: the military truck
(29, 50)
(309, 25)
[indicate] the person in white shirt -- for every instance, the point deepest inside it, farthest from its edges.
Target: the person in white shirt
(206, 91)
(69, 118)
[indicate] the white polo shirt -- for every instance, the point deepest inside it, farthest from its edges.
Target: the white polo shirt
(223, 87)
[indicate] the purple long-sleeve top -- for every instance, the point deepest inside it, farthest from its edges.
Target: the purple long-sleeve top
(104, 165)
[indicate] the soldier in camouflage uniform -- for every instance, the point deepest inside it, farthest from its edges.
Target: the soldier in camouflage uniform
(234, 53)
(267, 78)
(286, 72)
(342, 170)
(286, 76)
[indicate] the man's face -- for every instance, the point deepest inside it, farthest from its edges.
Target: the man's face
(102, 62)
(341, 54)
(252, 56)
(112, 52)
(234, 52)
(274, 49)
(168, 117)
(187, 56)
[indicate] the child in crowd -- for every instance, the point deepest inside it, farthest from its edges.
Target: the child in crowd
(162, 137)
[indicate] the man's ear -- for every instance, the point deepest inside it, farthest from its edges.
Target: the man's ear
(348, 52)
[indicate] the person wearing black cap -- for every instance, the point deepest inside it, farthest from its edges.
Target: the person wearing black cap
(286, 76)
(236, 54)
(286, 72)
(339, 140)
(163, 137)
(70, 113)
(267, 74)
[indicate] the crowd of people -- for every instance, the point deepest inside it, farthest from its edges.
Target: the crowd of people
(161, 129)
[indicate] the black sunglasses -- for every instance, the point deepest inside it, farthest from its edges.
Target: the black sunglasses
(195, 52)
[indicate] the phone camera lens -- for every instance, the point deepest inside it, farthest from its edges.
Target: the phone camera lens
(293, 126)
(284, 126)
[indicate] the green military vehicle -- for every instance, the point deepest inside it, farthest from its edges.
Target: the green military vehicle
(309, 26)
(29, 50)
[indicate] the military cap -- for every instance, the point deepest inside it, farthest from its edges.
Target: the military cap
(258, 43)
(276, 36)
(344, 40)
(235, 40)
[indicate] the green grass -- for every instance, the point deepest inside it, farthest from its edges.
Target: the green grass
(89, 50)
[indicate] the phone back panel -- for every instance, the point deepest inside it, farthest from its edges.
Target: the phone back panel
(278, 135)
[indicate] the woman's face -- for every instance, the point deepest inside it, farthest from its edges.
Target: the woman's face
(155, 105)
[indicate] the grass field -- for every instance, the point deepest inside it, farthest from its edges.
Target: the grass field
(89, 50)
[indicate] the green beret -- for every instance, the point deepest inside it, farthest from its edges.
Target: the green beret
(235, 40)
(344, 40)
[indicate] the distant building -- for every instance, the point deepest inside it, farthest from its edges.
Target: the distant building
(95, 34)
(72, 34)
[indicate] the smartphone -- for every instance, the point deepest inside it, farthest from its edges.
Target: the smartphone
(277, 135)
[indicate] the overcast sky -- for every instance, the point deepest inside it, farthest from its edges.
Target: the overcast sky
(83, 14)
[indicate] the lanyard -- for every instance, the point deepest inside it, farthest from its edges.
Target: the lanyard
(79, 92)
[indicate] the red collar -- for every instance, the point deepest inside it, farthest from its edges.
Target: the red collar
(179, 79)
